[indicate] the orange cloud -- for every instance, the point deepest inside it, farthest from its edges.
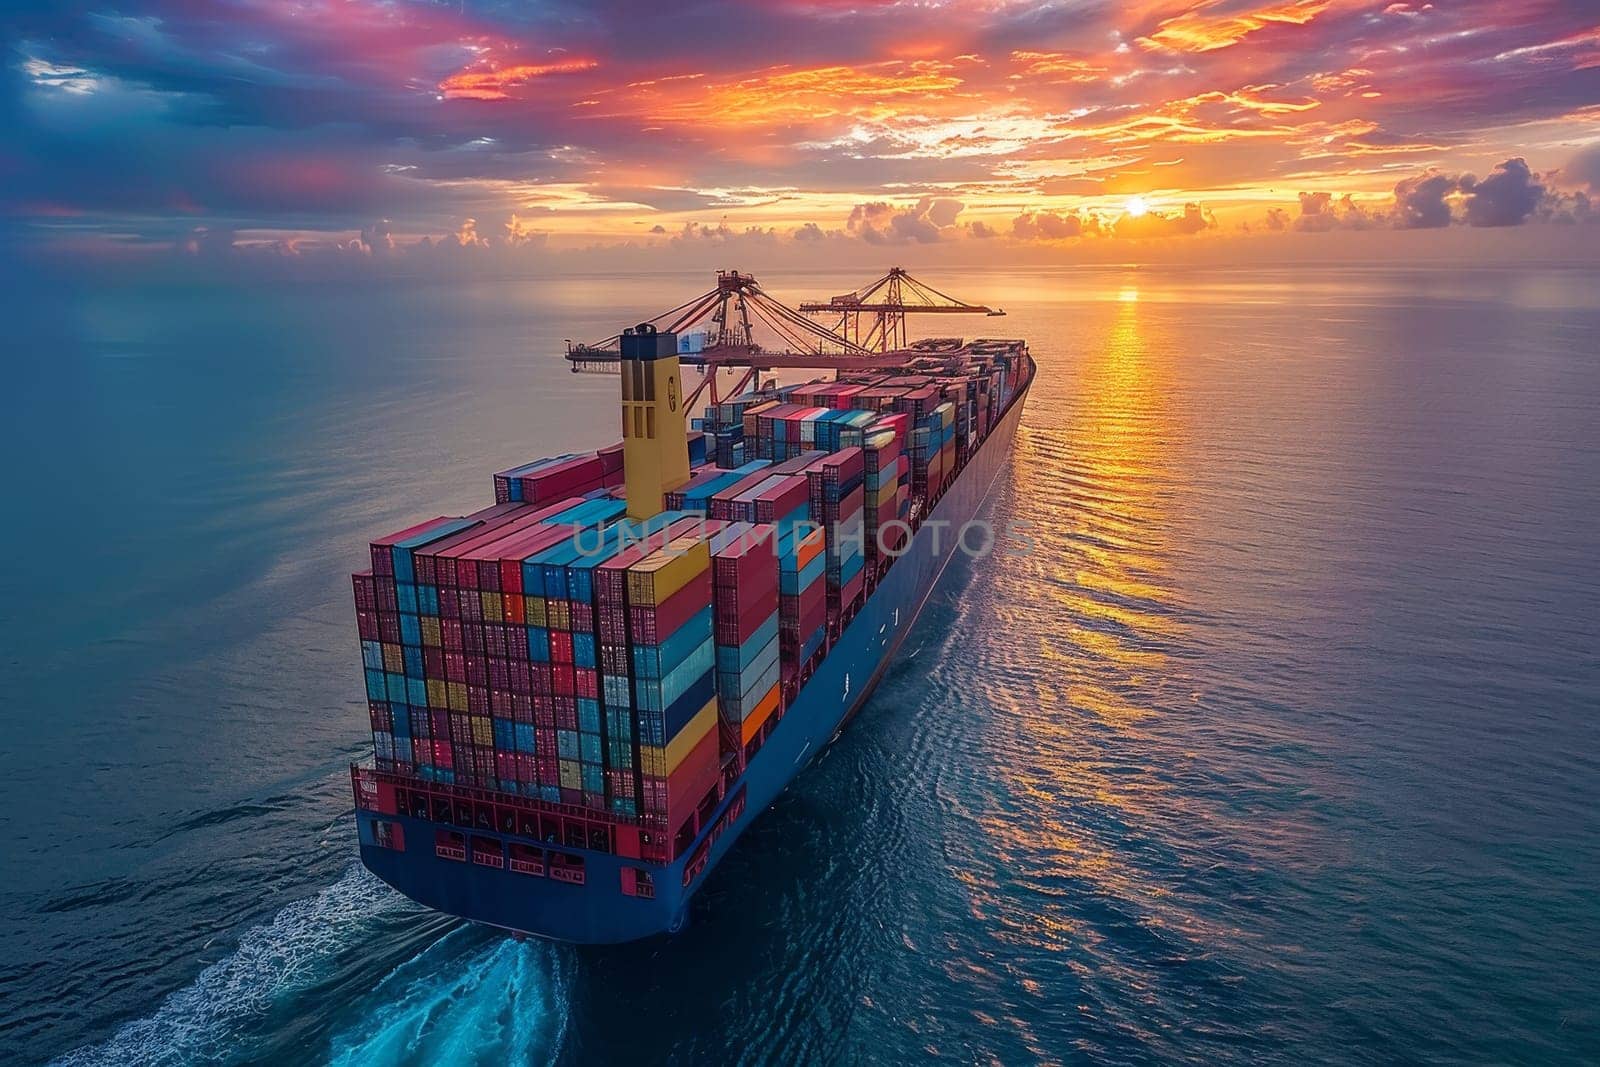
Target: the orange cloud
(1198, 30)
(778, 95)
(493, 84)
(1058, 67)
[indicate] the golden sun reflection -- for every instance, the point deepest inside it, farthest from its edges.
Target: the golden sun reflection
(1095, 478)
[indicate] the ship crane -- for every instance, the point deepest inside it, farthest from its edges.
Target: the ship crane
(729, 317)
(884, 304)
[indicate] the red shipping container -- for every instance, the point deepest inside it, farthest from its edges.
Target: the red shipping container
(697, 775)
(567, 478)
(494, 523)
(366, 591)
(367, 625)
(782, 499)
(649, 626)
(722, 505)
(736, 631)
(749, 562)
(561, 680)
(566, 713)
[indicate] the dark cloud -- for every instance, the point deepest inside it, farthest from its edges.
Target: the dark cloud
(1050, 226)
(927, 221)
(1277, 219)
(1419, 202)
(1322, 211)
(1507, 197)
(809, 232)
(1566, 209)
(722, 233)
(378, 239)
(1316, 215)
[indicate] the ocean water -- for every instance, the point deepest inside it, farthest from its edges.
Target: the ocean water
(1280, 745)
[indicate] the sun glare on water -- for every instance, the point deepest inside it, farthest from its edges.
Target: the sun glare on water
(1136, 206)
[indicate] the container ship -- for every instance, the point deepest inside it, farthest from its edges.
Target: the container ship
(581, 695)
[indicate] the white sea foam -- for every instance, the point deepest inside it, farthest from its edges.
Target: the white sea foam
(503, 1003)
(203, 1021)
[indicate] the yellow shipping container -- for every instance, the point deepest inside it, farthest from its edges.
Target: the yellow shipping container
(456, 693)
(534, 610)
(482, 731)
(661, 762)
(491, 606)
(559, 615)
(571, 778)
(430, 631)
(436, 694)
(394, 661)
(655, 578)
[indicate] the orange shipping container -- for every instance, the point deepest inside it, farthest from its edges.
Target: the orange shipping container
(763, 711)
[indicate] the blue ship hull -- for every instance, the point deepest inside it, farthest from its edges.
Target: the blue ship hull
(598, 912)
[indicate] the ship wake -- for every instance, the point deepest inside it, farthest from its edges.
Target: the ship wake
(410, 986)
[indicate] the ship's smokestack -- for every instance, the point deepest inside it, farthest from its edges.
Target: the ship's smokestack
(655, 445)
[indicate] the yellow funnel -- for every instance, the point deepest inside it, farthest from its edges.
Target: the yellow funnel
(655, 444)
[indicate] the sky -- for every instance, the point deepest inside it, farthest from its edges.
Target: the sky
(500, 133)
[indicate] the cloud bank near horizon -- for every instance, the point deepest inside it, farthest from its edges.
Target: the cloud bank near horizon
(404, 128)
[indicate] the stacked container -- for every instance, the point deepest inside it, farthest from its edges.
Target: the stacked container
(552, 479)
(745, 571)
(933, 451)
(674, 695)
(836, 505)
(802, 597)
(460, 621)
(539, 647)
(619, 633)
(886, 490)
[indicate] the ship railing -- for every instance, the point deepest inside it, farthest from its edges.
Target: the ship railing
(366, 776)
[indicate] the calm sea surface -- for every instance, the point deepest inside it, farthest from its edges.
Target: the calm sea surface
(1282, 745)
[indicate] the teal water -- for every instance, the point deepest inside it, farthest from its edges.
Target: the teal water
(1280, 746)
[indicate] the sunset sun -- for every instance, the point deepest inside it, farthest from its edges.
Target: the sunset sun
(1136, 206)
